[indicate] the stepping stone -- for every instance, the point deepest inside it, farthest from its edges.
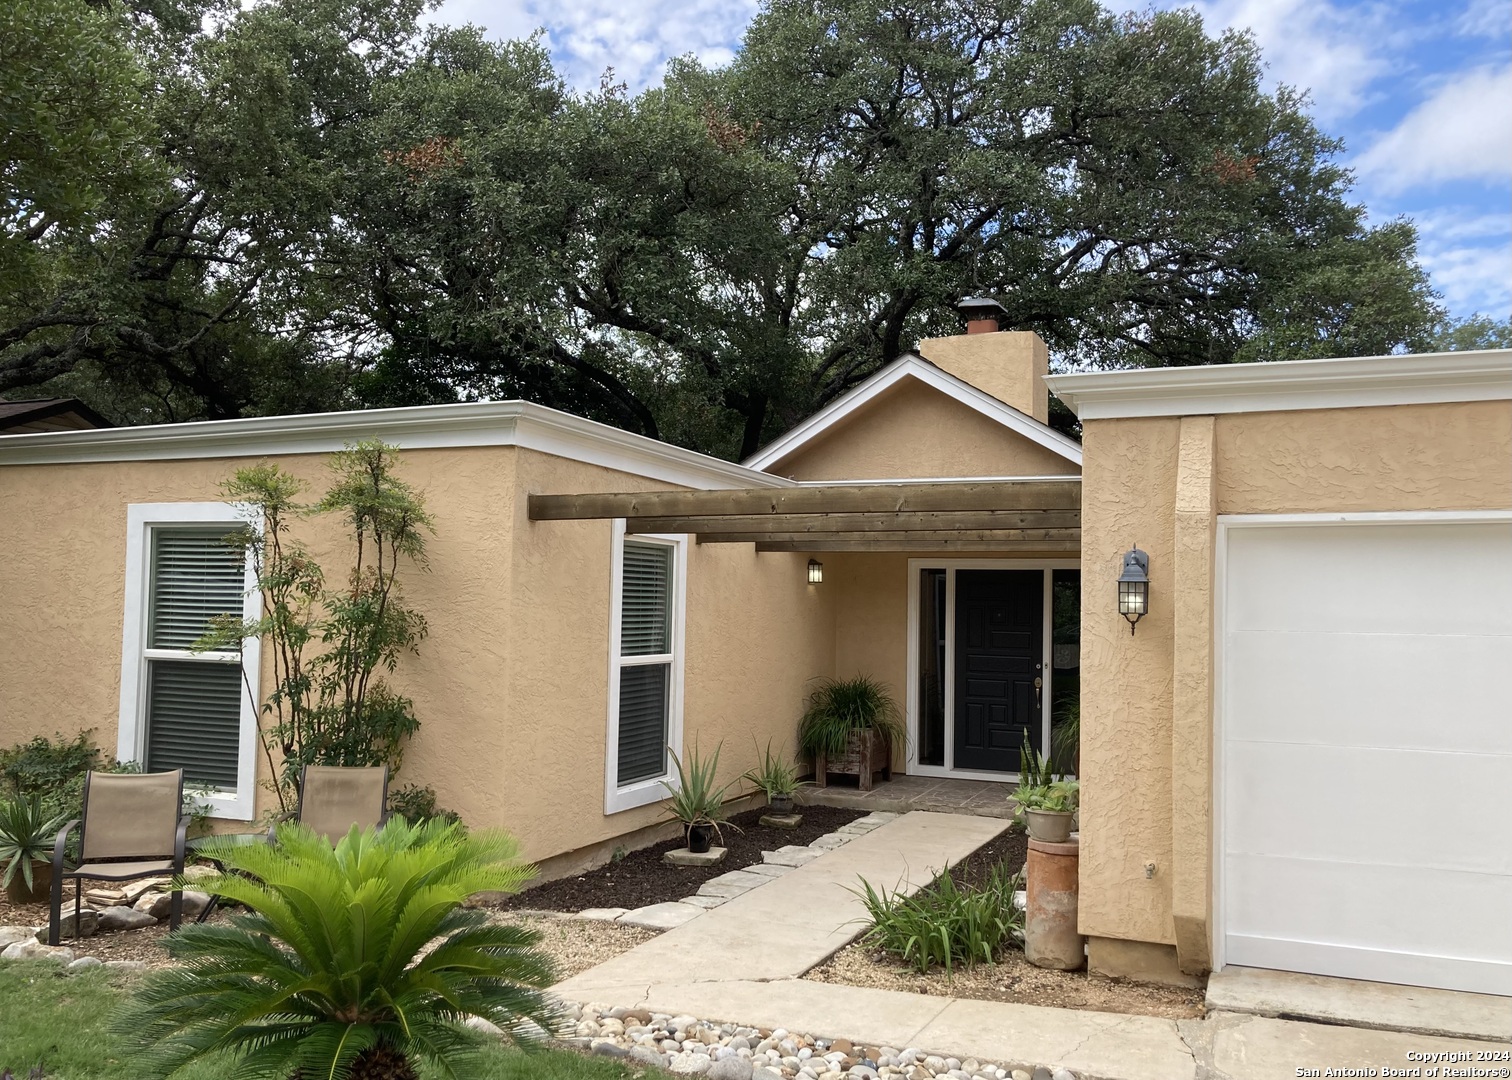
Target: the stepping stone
(661, 916)
(603, 914)
(782, 821)
(684, 857)
(789, 858)
(829, 842)
(881, 817)
(704, 901)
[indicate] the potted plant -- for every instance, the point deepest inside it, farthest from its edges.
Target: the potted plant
(26, 843)
(850, 727)
(778, 779)
(1045, 804)
(696, 802)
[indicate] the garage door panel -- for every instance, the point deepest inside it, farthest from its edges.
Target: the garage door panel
(1365, 752)
(1396, 912)
(1406, 689)
(1365, 805)
(1432, 579)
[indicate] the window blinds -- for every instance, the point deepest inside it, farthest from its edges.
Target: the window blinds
(642, 722)
(645, 606)
(195, 577)
(194, 720)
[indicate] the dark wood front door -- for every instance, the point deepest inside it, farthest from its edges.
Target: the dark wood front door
(1000, 619)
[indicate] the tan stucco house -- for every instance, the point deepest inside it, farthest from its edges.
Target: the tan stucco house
(1325, 657)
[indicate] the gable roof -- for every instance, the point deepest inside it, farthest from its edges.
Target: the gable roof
(913, 366)
(23, 412)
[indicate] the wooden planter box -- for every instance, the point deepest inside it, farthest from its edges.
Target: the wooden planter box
(866, 753)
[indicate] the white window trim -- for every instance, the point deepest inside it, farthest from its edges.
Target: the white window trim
(644, 792)
(131, 732)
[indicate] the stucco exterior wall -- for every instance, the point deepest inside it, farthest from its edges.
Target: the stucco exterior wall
(1010, 365)
(1147, 697)
(511, 685)
(913, 432)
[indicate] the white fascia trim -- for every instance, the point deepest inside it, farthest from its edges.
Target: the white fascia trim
(473, 423)
(131, 724)
(645, 792)
(911, 366)
(1074, 477)
(1289, 385)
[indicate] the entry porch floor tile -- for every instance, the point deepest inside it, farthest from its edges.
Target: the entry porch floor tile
(977, 798)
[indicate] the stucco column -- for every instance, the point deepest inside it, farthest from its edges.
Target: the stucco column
(1192, 697)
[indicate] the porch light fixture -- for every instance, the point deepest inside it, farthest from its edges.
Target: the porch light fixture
(816, 572)
(1134, 587)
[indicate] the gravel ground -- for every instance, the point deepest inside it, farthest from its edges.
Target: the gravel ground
(575, 945)
(641, 878)
(1011, 979)
(148, 944)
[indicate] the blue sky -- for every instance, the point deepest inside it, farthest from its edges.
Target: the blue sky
(1420, 90)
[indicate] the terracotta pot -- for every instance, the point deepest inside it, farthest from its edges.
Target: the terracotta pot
(1051, 826)
(700, 837)
(780, 804)
(17, 892)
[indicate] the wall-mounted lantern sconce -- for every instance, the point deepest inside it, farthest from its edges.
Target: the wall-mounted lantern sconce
(816, 572)
(1134, 587)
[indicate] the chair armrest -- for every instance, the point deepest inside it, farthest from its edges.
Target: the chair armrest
(278, 819)
(180, 838)
(60, 844)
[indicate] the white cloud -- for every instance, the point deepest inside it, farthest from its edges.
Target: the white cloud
(1462, 131)
(1468, 255)
(1485, 18)
(634, 37)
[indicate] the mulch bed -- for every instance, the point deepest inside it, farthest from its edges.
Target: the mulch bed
(641, 878)
(1011, 847)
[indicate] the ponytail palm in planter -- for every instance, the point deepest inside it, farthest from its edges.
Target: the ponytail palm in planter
(329, 975)
(850, 726)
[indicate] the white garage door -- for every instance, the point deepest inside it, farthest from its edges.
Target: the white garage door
(1365, 741)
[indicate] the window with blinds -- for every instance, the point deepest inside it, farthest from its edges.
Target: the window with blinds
(645, 659)
(193, 700)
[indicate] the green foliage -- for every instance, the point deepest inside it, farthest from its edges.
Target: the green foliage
(1065, 737)
(27, 834)
(838, 707)
(1035, 769)
(944, 924)
(298, 206)
(43, 766)
(416, 805)
(62, 1026)
(775, 775)
(330, 704)
(329, 973)
(1475, 332)
(695, 799)
(1059, 797)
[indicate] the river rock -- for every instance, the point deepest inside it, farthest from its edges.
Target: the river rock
(88, 923)
(123, 917)
(35, 950)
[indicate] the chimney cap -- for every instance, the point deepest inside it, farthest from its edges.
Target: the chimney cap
(983, 314)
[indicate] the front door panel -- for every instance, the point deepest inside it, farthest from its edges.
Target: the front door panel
(999, 653)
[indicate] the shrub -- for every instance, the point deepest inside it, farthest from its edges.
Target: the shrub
(330, 975)
(45, 766)
(945, 924)
(416, 804)
(838, 707)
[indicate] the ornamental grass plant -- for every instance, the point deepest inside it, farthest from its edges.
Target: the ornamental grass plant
(945, 924)
(838, 707)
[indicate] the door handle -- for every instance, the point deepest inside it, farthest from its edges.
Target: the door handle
(1038, 683)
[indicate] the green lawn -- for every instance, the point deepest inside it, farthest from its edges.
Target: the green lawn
(62, 1023)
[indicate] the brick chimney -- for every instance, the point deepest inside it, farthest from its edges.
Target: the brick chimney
(1008, 364)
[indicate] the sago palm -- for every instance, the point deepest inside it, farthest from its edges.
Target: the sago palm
(356, 962)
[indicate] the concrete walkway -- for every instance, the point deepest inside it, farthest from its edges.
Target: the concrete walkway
(739, 963)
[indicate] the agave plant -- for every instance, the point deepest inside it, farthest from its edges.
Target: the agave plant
(695, 800)
(357, 962)
(26, 837)
(775, 776)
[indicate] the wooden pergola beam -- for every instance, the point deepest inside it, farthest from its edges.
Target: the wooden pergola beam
(1011, 536)
(923, 497)
(856, 523)
(1018, 547)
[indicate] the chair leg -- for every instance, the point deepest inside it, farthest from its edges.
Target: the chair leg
(175, 910)
(55, 916)
(78, 905)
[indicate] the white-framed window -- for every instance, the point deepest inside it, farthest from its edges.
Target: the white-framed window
(181, 709)
(647, 609)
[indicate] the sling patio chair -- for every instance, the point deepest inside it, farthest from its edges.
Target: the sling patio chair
(133, 826)
(333, 798)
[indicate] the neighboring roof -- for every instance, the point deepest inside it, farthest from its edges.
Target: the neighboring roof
(48, 412)
(1285, 385)
(912, 366)
(483, 423)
